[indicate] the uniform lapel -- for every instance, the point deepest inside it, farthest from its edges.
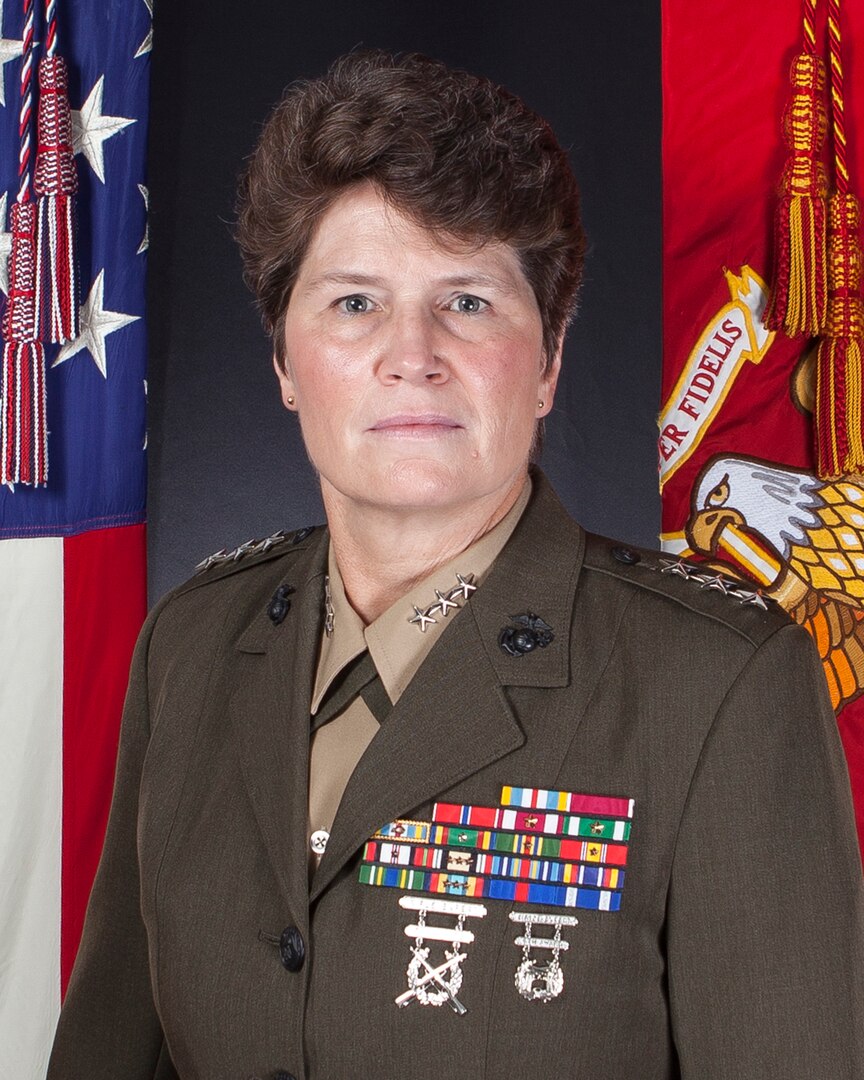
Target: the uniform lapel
(270, 713)
(455, 718)
(451, 721)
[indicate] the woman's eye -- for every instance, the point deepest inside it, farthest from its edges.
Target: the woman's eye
(355, 305)
(468, 305)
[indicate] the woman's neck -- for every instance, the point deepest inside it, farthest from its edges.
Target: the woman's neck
(384, 552)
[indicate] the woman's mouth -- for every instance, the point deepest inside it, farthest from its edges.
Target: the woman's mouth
(415, 425)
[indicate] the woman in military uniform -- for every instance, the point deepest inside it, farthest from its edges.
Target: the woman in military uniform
(449, 789)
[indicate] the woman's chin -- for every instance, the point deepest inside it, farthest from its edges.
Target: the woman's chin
(422, 482)
(418, 483)
(411, 484)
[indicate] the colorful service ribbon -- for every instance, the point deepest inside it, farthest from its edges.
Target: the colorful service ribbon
(544, 847)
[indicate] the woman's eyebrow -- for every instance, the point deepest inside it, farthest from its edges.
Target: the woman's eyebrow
(458, 281)
(483, 280)
(343, 277)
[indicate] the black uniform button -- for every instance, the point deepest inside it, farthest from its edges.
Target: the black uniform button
(292, 949)
(282, 1075)
(625, 555)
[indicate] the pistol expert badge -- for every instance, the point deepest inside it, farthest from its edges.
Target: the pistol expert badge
(536, 979)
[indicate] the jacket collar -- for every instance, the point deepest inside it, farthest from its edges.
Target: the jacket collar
(538, 573)
(454, 718)
(397, 642)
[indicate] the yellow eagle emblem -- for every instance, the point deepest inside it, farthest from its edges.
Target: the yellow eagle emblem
(802, 539)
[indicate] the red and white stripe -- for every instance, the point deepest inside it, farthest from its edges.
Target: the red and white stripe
(66, 639)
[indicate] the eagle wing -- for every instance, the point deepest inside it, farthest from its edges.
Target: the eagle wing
(822, 587)
(831, 560)
(837, 629)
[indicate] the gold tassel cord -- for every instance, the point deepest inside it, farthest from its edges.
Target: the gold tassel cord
(839, 416)
(798, 299)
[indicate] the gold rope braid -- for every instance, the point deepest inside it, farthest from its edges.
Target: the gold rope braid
(798, 298)
(838, 411)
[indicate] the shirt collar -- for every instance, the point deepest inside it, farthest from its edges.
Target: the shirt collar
(399, 646)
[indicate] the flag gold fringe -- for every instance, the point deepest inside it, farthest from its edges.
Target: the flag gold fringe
(838, 414)
(798, 299)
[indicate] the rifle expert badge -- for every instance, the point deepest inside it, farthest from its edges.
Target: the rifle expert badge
(435, 984)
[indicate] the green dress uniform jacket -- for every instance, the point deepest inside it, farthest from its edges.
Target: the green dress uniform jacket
(736, 954)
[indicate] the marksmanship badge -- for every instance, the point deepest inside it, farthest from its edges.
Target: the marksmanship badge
(541, 980)
(435, 985)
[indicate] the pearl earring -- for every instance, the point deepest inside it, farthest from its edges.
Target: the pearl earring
(290, 400)
(540, 404)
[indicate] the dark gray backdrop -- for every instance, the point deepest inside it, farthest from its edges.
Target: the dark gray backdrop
(226, 462)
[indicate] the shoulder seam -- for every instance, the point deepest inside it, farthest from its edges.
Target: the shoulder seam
(646, 585)
(252, 553)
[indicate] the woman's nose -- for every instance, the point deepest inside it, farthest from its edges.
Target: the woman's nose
(413, 351)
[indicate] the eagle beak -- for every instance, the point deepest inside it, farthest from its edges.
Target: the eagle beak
(705, 526)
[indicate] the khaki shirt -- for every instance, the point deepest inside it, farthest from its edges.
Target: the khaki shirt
(398, 648)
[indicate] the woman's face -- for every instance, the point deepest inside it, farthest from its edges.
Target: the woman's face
(417, 370)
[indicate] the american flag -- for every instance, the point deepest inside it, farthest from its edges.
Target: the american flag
(72, 570)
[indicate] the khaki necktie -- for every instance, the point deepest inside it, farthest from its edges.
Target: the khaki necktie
(359, 677)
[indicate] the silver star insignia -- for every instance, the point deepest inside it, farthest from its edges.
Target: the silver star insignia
(444, 603)
(212, 560)
(715, 582)
(243, 549)
(272, 541)
(755, 598)
(678, 567)
(465, 587)
(421, 619)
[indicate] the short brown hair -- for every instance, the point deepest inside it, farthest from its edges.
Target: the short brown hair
(454, 152)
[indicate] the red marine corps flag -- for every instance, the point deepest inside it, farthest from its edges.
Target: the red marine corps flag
(761, 459)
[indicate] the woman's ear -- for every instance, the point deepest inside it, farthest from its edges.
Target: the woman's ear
(286, 384)
(548, 383)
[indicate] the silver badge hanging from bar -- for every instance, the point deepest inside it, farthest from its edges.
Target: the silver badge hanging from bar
(429, 983)
(541, 980)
